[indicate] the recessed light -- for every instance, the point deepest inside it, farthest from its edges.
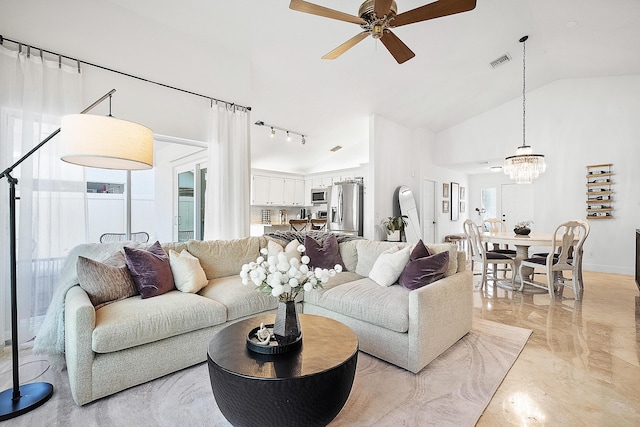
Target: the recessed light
(571, 24)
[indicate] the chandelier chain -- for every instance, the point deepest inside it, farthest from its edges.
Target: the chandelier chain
(524, 96)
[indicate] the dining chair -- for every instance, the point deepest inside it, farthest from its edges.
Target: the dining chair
(298, 224)
(140, 236)
(565, 255)
(318, 224)
(494, 226)
(480, 254)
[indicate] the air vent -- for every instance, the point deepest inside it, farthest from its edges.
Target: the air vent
(336, 148)
(500, 61)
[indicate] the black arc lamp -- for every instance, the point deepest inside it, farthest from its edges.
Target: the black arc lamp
(94, 141)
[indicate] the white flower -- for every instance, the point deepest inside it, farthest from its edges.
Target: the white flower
(264, 251)
(283, 277)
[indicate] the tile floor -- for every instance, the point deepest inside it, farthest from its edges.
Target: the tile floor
(581, 366)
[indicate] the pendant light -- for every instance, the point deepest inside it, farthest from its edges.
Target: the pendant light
(525, 166)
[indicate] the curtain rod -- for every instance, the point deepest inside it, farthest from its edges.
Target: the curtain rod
(79, 61)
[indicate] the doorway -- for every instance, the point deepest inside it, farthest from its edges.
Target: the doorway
(189, 202)
(429, 211)
(517, 204)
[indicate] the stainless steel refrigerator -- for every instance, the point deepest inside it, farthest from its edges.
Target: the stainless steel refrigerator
(345, 208)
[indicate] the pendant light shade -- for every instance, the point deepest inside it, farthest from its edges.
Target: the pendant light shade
(525, 166)
(105, 142)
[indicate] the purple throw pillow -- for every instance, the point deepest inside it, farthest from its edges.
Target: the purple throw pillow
(326, 255)
(423, 271)
(150, 270)
(420, 251)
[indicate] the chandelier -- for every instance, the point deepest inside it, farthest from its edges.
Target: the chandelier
(525, 166)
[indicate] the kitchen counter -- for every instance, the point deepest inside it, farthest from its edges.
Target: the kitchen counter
(258, 229)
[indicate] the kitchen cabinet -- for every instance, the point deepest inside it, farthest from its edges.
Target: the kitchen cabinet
(293, 192)
(277, 191)
(327, 182)
(267, 190)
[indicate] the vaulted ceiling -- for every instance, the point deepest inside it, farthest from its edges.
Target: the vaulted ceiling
(449, 80)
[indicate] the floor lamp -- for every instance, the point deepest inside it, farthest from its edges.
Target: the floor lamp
(87, 140)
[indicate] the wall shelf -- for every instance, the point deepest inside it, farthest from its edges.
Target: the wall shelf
(599, 191)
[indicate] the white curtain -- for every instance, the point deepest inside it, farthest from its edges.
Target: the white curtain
(227, 198)
(34, 94)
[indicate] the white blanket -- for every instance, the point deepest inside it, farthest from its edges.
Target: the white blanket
(50, 338)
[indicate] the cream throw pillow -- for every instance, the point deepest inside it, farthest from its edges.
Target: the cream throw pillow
(387, 268)
(291, 250)
(188, 274)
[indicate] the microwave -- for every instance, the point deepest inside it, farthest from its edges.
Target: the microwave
(319, 196)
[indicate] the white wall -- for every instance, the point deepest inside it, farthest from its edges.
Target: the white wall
(574, 123)
(393, 163)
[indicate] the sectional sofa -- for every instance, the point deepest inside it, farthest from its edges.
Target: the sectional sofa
(108, 348)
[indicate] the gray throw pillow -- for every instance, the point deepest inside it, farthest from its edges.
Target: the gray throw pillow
(105, 282)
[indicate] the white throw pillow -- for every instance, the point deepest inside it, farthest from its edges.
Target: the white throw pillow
(291, 250)
(389, 265)
(188, 274)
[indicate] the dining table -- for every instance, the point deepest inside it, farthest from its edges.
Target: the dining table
(522, 244)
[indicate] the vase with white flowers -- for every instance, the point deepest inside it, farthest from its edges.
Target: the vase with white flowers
(285, 278)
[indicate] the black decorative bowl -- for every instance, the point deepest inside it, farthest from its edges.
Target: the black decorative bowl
(276, 344)
(522, 231)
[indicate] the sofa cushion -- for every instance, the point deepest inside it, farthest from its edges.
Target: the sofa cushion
(349, 254)
(423, 271)
(135, 321)
(105, 282)
(222, 258)
(365, 300)
(389, 265)
(188, 274)
(325, 254)
(240, 300)
(314, 295)
(150, 270)
(368, 251)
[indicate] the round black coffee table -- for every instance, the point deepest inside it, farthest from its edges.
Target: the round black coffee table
(308, 386)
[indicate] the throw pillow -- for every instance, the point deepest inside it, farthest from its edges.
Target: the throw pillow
(389, 265)
(188, 274)
(423, 271)
(105, 282)
(150, 270)
(420, 251)
(325, 255)
(290, 250)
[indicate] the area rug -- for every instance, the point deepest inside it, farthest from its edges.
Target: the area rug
(453, 390)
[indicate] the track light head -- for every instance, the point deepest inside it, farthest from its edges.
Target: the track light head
(288, 136)
(304, 141)
(273, 133)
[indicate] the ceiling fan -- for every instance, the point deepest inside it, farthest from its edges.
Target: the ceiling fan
(377, 17)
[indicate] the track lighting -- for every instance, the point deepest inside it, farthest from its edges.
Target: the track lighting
(303, 138)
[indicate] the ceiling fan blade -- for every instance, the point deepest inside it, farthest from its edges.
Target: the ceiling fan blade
(433, 10)
(382, 7)
(396, 47)
(314, 9)
(346, 46)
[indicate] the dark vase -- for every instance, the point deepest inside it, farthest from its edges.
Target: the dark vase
(286, 327)
(522, 231)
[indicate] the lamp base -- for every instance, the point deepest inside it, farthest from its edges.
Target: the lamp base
(32, 395)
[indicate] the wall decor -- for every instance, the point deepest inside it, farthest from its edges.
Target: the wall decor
(445, 190)
(462, 207)
(600, 191)
(462, 193)
(455, 201)
(445, 206)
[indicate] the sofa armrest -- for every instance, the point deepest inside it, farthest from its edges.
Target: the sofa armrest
(439, 315)
(79, 320)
